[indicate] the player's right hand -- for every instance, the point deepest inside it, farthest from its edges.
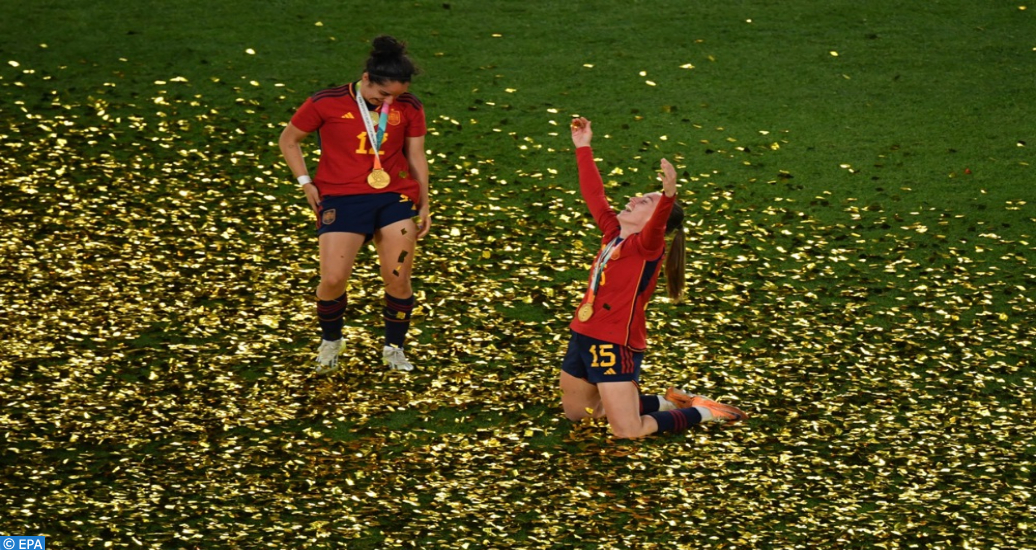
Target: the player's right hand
(312, 196)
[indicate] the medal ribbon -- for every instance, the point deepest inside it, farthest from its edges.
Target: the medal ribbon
(368, 123)
(602, 261)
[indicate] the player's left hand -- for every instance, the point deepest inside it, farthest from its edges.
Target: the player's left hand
(668, 178)
(582, 134)
(424, 222)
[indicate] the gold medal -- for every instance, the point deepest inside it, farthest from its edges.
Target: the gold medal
(585, 312)
(378, 179)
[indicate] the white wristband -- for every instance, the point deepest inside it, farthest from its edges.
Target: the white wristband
(304, 179)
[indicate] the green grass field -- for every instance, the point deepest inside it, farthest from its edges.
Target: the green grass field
(858, 178)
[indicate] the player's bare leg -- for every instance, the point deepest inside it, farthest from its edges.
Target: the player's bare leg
(337, 254)
(396, 244)
(621, 401)
(579, 398)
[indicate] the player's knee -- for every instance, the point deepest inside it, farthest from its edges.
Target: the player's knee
(626, 432)
(578, 411)
(623, 434)
(620, 433)
(398, 288)
(575, 414)
(334, 281)
(330, 291)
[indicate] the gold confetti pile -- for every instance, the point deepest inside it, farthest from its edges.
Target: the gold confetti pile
(157, 345)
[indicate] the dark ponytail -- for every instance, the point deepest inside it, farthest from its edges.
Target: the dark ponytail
(389, 62)
(676, 260)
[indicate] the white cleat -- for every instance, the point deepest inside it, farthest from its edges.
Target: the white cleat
(395, 359)
(327, 355)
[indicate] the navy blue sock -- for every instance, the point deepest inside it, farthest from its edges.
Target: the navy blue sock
(677, 420)
(397, 319)
(329, 313)
(649, 404)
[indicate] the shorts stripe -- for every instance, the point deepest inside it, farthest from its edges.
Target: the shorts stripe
(627, 360)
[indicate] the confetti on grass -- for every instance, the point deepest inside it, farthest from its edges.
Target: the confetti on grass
(158, 345)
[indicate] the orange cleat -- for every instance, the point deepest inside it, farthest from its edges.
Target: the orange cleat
(680, 398)
(720, 412)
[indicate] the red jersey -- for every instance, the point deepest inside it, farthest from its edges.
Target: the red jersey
(630, 274)
(346, 155)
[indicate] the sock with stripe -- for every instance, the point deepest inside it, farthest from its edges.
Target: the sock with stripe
(676, 420)
(397, 319)
(329, 314)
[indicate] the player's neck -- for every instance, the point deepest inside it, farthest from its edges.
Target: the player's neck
(626, 231)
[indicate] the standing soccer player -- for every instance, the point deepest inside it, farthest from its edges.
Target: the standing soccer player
(600, 374)
(372, 180)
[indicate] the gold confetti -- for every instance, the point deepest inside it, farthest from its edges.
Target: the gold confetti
(158, 338)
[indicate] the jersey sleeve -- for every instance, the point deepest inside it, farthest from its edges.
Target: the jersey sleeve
(592, 187)
(307, 118)
(417, 127)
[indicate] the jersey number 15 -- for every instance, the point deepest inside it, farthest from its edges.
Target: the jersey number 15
(604, 357)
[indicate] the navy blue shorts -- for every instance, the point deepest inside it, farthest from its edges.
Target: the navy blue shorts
(598, 361)
(363, 214)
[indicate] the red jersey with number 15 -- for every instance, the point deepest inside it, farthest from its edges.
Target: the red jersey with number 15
(630, 275)
(346, 156)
